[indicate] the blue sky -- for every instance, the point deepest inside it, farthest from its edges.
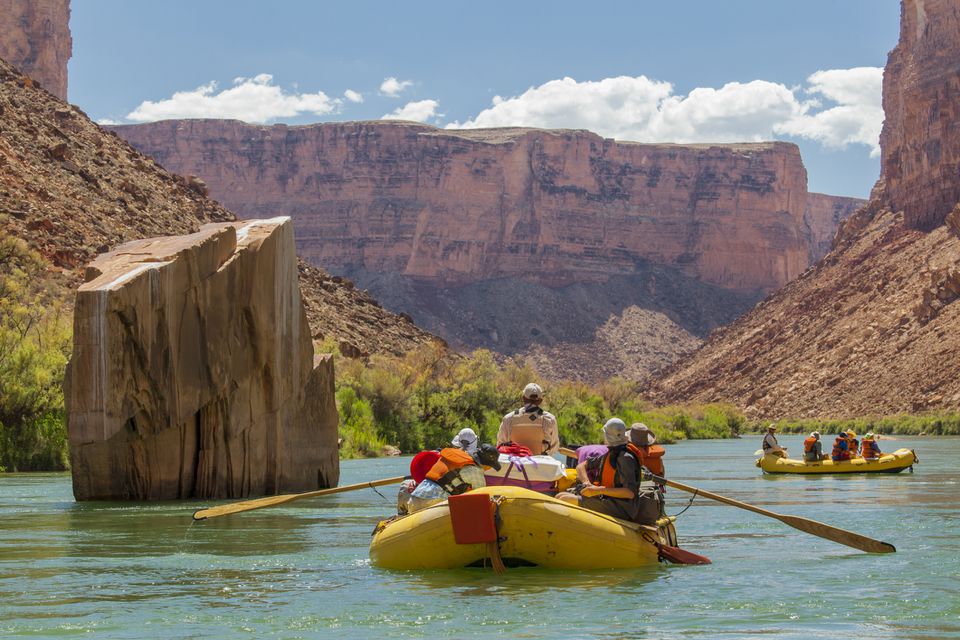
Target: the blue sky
(642, 70)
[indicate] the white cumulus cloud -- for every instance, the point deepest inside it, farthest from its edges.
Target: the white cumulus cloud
(419, 110)
(255, 99)
(857, 116)
(353, 96)
(646, 110)
(393, 88)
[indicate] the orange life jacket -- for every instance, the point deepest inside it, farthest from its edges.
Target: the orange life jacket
(446, 471)
(854, 447)
(808, 444)
(870, 448)
(649, 457)
(840, 452)
(608, 475)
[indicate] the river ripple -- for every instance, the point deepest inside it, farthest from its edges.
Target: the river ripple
(123, 570)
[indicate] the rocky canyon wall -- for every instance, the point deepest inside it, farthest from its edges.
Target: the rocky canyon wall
(559, 207)
(35, 38)
(193, 372)
(875, 327)
(920, 141)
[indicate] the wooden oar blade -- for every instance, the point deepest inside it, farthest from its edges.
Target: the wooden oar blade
(238, 507)
(840, 536)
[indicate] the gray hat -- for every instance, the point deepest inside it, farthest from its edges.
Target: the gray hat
(641, 435)
(466, 440)
(614, 432)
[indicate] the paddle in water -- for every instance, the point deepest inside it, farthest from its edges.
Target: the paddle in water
(272, 501)
(826, 531)
(840, 536)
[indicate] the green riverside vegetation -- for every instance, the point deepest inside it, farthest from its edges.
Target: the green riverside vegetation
(422, 400)
(409, 403)
(34, 347)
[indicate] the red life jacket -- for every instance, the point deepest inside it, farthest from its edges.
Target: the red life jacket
(840, 453)
(514, 449)
(446, 471)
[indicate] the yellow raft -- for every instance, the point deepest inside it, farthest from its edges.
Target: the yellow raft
(887, 463)
(534, 529)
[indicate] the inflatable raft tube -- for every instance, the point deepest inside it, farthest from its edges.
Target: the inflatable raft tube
(887, 463)
(534, 529)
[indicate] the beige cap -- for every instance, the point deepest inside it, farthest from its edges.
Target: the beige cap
(533, 392)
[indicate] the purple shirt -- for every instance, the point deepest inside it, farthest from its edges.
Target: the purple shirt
(591, 451)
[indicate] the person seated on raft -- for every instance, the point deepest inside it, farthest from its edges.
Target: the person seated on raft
(618, 492)
(841, 448)
(530, 426)
(854, 445)
(466, 440)
(813, 448)
(869, 448)
(651, 454)
(454, 473)
(770, 445)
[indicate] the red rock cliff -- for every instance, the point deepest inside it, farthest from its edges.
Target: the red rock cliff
(875, 327)
(462, 206)
(920, 140)
(35, 38)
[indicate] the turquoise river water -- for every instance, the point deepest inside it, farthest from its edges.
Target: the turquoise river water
(120, 570)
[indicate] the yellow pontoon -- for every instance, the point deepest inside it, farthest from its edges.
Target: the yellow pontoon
(533, 529)
(887, 463)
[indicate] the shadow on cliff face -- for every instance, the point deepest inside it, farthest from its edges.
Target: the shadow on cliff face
(518, 317)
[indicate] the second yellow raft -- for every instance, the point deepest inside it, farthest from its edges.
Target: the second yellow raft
(534, 529)
(887, 463)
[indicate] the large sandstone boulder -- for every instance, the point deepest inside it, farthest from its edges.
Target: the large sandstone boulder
(193, 372)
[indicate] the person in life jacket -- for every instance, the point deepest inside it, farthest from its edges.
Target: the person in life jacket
(531, 426)
(853, 446)
(841, 448)
(813, 448)
(454, 473)
(869, 448)
(651, 454)
(770, 445)
(619, 493)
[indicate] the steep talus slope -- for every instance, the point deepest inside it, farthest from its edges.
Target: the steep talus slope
(875, 328)
(35, 38)
(73, 190)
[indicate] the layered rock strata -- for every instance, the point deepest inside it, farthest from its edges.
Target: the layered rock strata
(193, 372)
(823, 216)
(35, 38)
(875, 327)
(920, 141)
(455, 207)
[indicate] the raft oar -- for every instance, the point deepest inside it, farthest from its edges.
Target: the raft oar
(272, 501)
(840, 536)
